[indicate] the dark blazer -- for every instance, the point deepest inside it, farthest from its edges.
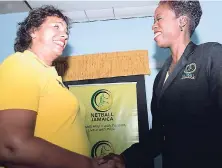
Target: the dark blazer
(187, 113)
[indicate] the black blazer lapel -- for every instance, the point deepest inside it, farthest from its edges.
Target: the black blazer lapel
(162, 77)
(180, 66)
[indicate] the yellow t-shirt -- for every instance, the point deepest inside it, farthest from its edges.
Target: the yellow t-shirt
(27, 83)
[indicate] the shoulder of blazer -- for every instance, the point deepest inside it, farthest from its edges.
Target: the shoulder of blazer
(208, 47)
(206, 50)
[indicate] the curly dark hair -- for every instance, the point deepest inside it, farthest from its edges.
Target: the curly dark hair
(191, 9)
(34, 20)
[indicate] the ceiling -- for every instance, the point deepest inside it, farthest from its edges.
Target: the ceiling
(85, 11)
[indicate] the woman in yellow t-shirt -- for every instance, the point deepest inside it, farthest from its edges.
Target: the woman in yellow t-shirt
(40, 125)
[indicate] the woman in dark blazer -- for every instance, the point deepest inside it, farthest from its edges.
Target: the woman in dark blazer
(187, 96)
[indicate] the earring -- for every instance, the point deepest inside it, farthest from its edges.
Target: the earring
(181, 28)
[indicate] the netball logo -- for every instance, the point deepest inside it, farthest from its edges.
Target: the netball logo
(102, 100)
(189, 71)
(102, 148)
(191, 68)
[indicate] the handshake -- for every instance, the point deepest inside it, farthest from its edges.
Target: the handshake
(110, 161)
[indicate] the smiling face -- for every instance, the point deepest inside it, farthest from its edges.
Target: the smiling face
(51, 37)
(166, 26)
